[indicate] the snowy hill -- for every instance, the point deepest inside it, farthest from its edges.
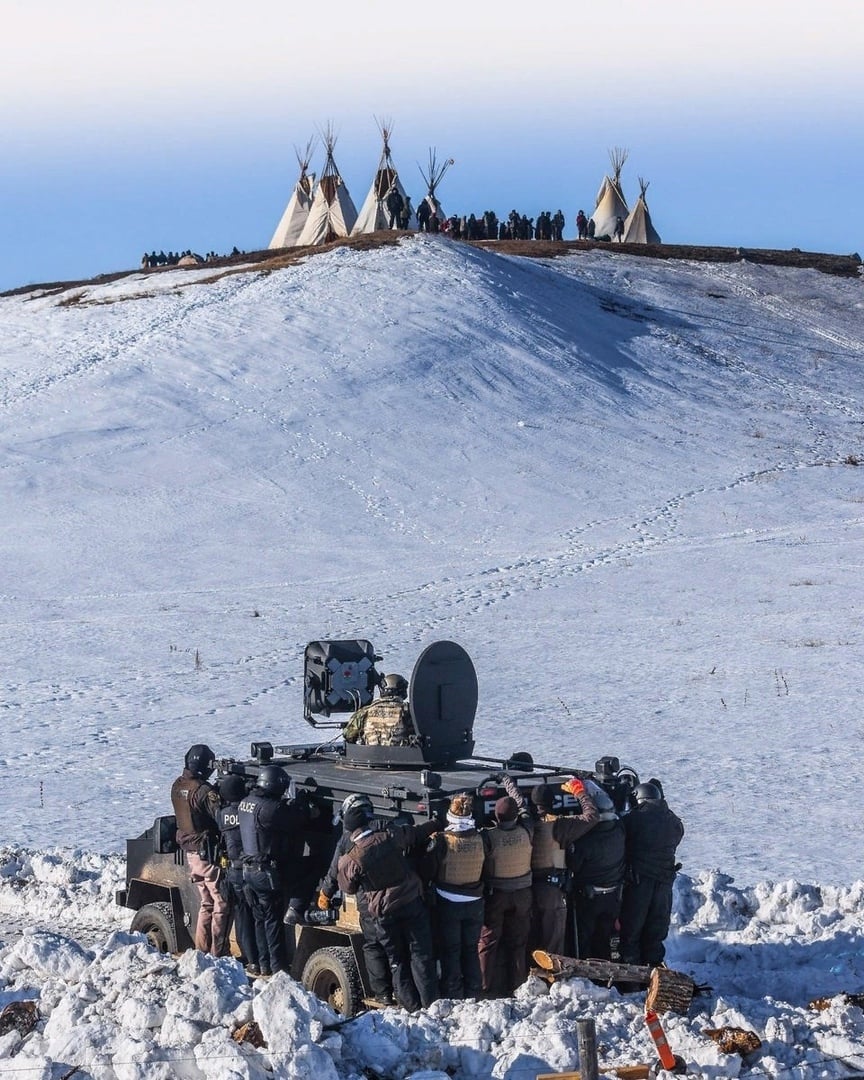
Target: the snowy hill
(620, 483)
(627, 486)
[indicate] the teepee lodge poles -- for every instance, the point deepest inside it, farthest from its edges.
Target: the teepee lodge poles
(387, 205)
(638, 228)
(610, 203)
(332, 213)
(430, 208)
(297, 211)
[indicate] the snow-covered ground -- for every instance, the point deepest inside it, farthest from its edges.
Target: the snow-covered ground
(628, 487)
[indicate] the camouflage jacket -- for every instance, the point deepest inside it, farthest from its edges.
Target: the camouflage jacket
(384, 722)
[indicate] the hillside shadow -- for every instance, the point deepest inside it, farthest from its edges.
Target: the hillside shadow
(571, 323)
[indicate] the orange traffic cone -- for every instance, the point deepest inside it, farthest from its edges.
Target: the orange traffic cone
(668, 1060)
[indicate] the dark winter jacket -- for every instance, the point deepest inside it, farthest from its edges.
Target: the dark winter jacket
(653, 833)
(330, 882)
(377, 864)
(598, 858)
(196, 804)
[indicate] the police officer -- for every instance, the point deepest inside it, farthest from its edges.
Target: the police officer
(552, 834)
(456, 863)
(385, 721)
(596, 865)
(271, 832)
(507, 908)
(653, 832)
(232, 788)
(376, 863)
(377, 964)
(196, 805)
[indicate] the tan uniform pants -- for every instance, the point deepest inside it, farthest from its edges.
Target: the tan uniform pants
(214, 914)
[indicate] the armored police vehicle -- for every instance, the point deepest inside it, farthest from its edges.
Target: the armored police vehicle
(410, 782)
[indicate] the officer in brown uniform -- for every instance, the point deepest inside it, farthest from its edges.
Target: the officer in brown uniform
(455, 864)
(507, 910)
(552, 834)
(196, 807)
(385, 721)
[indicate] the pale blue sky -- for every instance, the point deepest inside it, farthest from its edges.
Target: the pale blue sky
(172, 125)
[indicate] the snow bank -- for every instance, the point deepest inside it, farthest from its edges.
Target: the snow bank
(121, 1009)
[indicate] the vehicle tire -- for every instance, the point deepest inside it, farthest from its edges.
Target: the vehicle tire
(157, 922)
(331, 974)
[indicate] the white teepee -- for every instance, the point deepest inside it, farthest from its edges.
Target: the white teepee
(297, 211)
(638, 228)
(374, 214)
(332, 213)
(610, 203)
(433, 177)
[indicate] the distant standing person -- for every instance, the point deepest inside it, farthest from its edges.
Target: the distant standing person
(196, 807)
(619, 229)
(592, 228)
(581, 225)
(395, 205)
(653, 832)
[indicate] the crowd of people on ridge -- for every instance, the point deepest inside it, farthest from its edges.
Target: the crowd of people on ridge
(485, 226)
(151, 260)
(447, 908)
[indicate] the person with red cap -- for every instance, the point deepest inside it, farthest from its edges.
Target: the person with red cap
(507, 909)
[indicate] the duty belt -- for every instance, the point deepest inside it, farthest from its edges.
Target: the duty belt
(259, 860)
(599, 890)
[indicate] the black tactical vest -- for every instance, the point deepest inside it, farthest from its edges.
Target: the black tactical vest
(229, 827)
(255, 840)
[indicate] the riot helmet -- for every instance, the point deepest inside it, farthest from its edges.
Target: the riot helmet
(200, 759)
(643, 793)
(273, 781)
(357, 799)
(232, 788)
(394, 686)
